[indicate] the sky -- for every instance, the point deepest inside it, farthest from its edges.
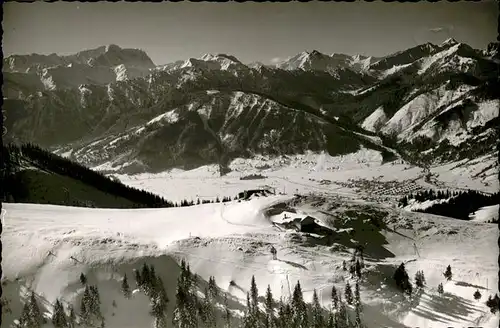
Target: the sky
(265, 32)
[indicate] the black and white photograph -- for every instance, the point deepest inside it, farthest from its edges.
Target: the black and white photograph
(250, 165)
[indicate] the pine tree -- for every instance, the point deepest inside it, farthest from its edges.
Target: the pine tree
(126, 287)
(420, 279)
(254, 294)
(212, 287)
(317, 316)
(145, 278)
(335, 298)
(227, 313)
(138, 278)
(440, 288)
(348, 293)
(280, 319)
(357, 322)
(447, 274)
(185, 312)
(84, 312)
(341, 317)
(25, 319)
(36, 318)
(331, 320)
(254, 308)
(159, 302)
(402, 279)
(477, 295)
(299, 308)
(59, 319)
(358, 269)
(344, 265)
(207, 311)
(248, 319)
(71, 317)
(269, 318)
(357, 296)
(95, 302)
(83, 279)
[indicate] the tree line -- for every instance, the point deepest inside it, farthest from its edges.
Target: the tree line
(14, 155)
(194, 310)
(460, 203)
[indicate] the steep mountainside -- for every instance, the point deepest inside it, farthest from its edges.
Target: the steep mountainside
(32, 175)
(113, 106)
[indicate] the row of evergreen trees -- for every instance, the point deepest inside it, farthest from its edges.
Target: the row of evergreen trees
(193, 311)
(13, 155)
(404, 284)
(460, 205)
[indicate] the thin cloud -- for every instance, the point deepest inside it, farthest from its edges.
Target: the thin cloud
(436, 29)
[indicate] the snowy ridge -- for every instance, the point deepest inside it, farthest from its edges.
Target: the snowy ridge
(375, 120)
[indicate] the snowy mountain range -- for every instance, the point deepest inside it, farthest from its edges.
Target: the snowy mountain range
(114, 107)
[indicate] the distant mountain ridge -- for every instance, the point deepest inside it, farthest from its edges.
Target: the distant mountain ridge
(113, 108)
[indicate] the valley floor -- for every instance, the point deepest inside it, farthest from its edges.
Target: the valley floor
(360, 175)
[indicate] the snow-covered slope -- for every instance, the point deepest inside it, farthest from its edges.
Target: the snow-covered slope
(485, 214)
(375, 120)
(47, 247)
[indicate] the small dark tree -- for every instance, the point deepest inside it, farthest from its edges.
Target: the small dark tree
(269, 318)
(254, 295)
(212, 287)
(357, 320)
(440, 288)
(145, 277)
(420, 279)
(317, 315)
(35, 317)
(125, 287)
(447, 274)
(402, 279)
(344, 266)
(493, 303)
(477, 295)
(299, 308)
(358, 269)
(348, 293)
(71, 316)
(59, 319)
(25, 319)
(357, 296)
(83, 279)
(227, 313)
(138, 278)
(248, 319)
(335, 298)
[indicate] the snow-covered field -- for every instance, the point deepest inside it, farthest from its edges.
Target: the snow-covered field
(308, 174)
(231, 242)
(485, 214)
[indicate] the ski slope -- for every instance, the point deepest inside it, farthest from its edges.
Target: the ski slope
(231, 242)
